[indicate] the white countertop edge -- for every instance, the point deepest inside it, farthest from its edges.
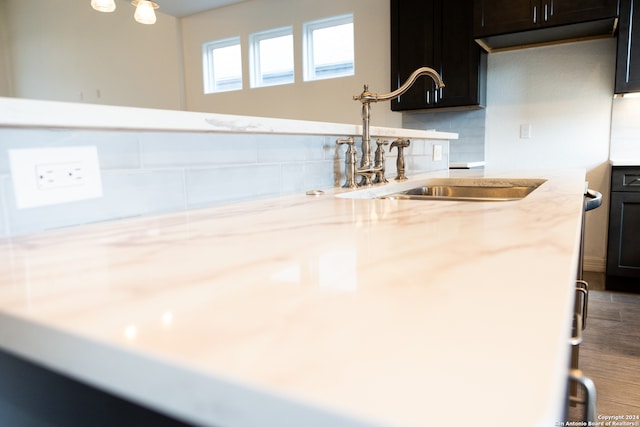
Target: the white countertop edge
(15, 112)
(466, 165)
(177, 391)
(624, 162)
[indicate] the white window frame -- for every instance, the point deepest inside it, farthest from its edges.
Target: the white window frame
(255, 75)
(309, 67)
(208, 74)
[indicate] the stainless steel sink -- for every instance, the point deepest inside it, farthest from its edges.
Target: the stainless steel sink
(470, 189)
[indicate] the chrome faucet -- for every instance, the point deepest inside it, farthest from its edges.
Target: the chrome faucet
(367, 169)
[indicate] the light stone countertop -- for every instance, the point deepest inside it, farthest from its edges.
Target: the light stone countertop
(625, 162)
(313, 310)
(15, 112)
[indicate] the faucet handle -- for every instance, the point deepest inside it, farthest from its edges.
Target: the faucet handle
(349, 161)
(380, 142)
(349, 141)
(379, 165)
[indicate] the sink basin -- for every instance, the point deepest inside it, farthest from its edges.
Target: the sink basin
(470, 189)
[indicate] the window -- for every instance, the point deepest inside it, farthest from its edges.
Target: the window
(328, 48)
(222, 65)
(271, 57)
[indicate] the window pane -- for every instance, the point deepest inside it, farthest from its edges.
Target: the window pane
(222, 65)
(271, 57)
(333, 50)
(329, 48)
(276, 60)
(227, 68)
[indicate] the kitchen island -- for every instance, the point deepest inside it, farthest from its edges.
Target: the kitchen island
(312, 310)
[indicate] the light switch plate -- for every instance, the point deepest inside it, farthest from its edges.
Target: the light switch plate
(48, 176)
(525, 131)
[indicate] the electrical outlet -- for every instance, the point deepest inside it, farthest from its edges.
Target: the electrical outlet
(437, 152)
(48, 176)
(59, 175)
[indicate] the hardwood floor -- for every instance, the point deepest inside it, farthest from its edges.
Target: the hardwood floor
(610, 351)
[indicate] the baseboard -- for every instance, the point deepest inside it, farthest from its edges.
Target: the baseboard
(595, 264)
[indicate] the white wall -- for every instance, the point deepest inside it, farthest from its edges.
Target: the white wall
(625, 130)
(325, 100)
(82, 51)
(565, 92)
(64, 50)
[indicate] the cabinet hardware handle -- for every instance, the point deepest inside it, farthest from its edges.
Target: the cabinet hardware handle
(635, 181)
(577, 338)
(589, 399)
(546, 14)
(535, 14)
(582, 287)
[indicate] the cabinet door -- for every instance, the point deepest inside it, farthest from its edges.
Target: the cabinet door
(628, 59)
(493, 17)
(412, 39)
(623, 252)
(559, 12)
(436, 34)
(463, 61)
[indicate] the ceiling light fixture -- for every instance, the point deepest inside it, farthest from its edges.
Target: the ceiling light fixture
(103, 5)
(145, 13)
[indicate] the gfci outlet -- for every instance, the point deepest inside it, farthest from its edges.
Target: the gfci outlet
(57, 175)
(48, 176)
(437, 152)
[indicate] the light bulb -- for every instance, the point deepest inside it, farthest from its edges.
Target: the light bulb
(144, 12)
(103, 5)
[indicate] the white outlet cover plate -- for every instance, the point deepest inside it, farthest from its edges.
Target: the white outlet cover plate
(24, 162)
(437, 152)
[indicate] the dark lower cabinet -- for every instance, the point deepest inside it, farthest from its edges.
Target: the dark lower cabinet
(623, 250)
(436, 34)
(33, 396)
(628, 59)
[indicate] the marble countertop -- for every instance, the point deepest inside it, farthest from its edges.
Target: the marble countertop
(467, 165)
(624, 162)
(312, 310)
(15, 112)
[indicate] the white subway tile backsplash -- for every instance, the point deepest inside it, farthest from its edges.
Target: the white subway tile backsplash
(317, 175)
(469, 124)
(146, 172)
(223, 184)
(290, 148)
(125, 195)
(292, 178)
(165, 149)
(116, 150)
(132, 193)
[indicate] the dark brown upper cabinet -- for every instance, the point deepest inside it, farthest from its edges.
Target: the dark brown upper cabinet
(436, 34)
(628, 62)
(500, 24)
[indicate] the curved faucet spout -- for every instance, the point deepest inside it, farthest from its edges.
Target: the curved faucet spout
(367, 96)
